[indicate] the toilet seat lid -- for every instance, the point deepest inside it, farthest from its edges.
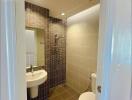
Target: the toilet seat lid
(87, 96)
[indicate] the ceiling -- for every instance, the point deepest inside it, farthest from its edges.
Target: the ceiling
(69, 7)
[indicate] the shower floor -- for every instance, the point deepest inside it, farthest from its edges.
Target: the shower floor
(63, 92)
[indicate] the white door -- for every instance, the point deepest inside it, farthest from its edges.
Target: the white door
(115, 49)
(12, 50)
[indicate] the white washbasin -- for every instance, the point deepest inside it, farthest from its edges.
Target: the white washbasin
(34, 80)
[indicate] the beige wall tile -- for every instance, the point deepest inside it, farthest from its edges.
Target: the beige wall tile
(82, 44)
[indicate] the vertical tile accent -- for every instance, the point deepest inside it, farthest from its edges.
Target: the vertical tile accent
(58, 49)
(55, 48)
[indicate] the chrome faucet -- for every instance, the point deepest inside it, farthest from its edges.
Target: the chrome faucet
(31, 68)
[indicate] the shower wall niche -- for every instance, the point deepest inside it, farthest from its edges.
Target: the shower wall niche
(55, 46)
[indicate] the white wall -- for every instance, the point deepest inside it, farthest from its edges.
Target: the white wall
(81, 48)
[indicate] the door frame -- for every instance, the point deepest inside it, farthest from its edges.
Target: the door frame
(115, 15)
(13, 56)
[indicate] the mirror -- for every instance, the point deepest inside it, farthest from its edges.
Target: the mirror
(35, 47)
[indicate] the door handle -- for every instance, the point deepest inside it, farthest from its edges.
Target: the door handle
(99, 89)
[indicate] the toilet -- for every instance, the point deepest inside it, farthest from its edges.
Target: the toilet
(90, 95)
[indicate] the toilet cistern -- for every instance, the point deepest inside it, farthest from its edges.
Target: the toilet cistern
(90, 95)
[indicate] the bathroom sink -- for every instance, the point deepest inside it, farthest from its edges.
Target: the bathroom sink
(34, 79)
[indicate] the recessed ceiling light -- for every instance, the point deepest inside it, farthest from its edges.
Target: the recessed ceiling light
(62, 14)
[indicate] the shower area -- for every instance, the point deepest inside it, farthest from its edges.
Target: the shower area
(54, 40)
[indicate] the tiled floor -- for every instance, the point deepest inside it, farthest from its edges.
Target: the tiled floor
(63, 92)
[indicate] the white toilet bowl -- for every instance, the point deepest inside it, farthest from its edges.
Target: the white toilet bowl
(90, 95)
(87, 96)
